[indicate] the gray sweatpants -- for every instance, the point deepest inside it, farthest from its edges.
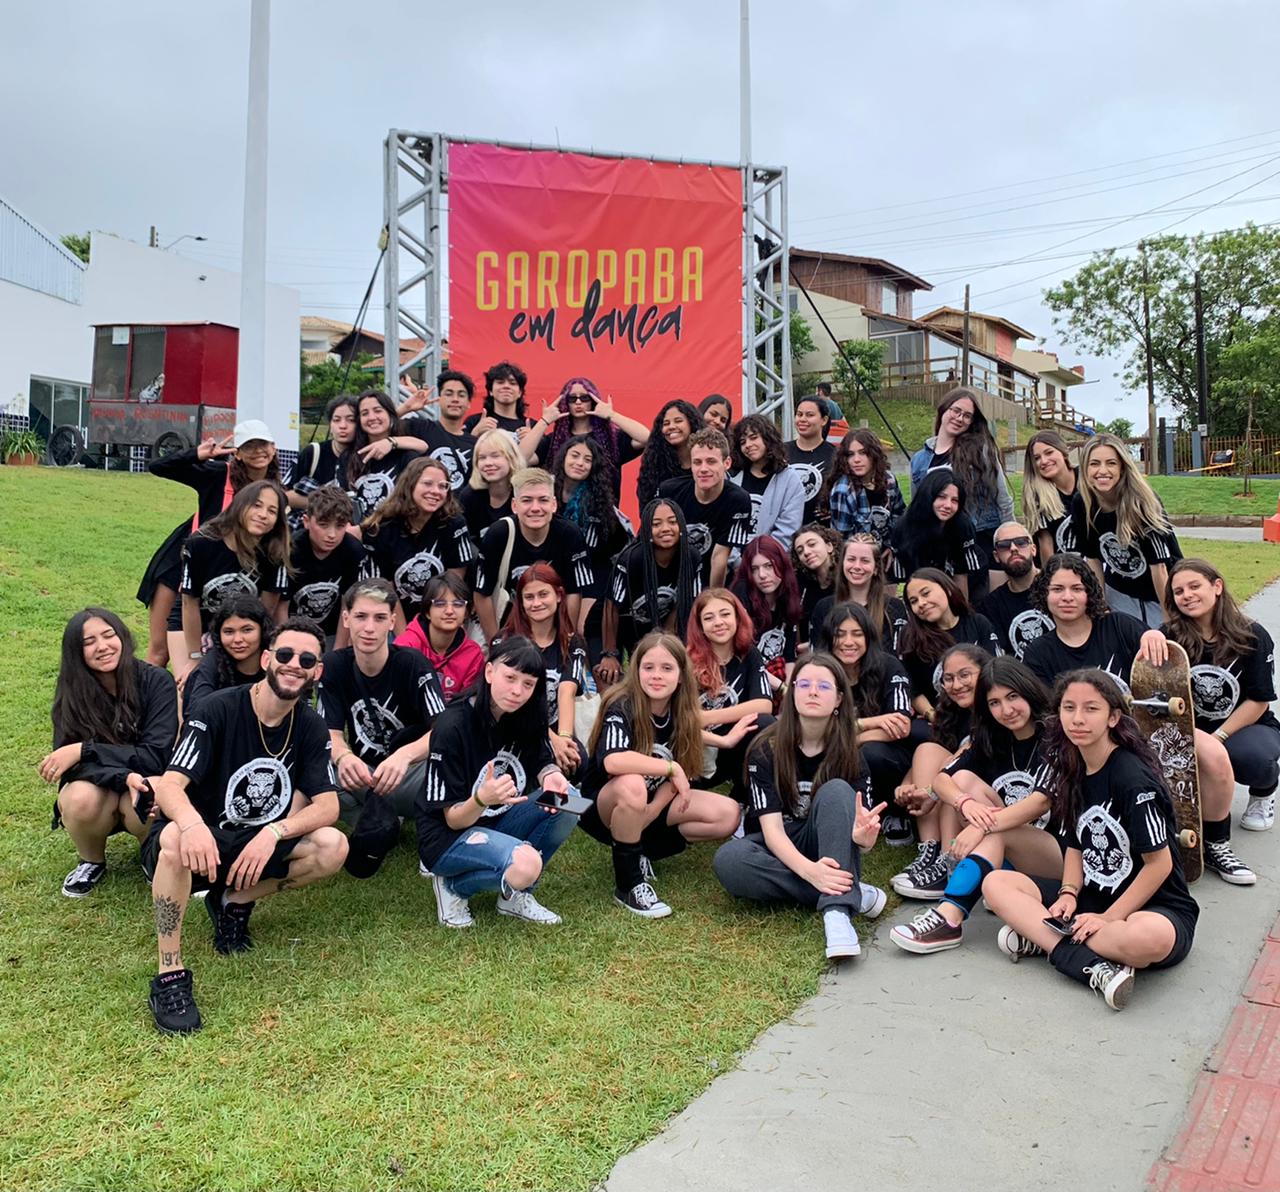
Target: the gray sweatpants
(401, 799)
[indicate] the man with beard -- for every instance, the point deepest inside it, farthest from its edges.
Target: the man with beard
(1009, 607)
(444, 436)
(247, 807)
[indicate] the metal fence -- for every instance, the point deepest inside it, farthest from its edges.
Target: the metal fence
(1224, 454)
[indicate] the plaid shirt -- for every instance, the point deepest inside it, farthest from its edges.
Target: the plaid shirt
(853, 513)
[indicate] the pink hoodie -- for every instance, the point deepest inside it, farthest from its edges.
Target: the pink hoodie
(457, 667)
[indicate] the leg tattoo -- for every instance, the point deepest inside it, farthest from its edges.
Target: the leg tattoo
(168, 915)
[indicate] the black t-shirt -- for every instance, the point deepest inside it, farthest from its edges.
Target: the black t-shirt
(726, 521)
(316, 466)
(811, 467)
(956, 552)
(453, 451)
(316, 587)
(1061, 528)
(745, 679)
(778, 638)
(564, 670)
(626, 453)
(1111, 645)
(464, 740)
(511, 424)
(895, 620)
(480, 515)
(211, 571)
(810, 593)
(375, 482)
(754, 487)
(564, 548)
(617, 735)
(628, 593)
(604, 539)
(762, 786)
(411, 561)
(1125, 813)
(1217, 691)
(380, 713)
(1013, 773)
(203, 682)
(235, 781)
(894, 694)
(1127, 569)
(1017, 623)
(926, 677)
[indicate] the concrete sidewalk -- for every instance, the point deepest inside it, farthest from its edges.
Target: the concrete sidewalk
(962, 1071)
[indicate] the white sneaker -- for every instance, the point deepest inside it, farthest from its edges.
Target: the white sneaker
(523, 905)
(873, 900)
(451, 910)
(423, 871)
(842, 937)
(1260, 815)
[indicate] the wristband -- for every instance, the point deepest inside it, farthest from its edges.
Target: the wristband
(928, 790)
(671, 768)
(479, 801)
(392, 440)
(616, 655)
(196, 656)
(275, 831)
(1068, 888)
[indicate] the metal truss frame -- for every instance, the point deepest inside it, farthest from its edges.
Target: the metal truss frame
(415, 179)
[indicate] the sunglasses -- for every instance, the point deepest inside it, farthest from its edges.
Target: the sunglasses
(306, 659)
(581, 397)
(1023, 543)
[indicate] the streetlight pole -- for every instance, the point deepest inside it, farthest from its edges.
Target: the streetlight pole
(1152, 444)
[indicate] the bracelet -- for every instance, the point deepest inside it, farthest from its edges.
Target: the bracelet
(960, 805)
(192, 824)
(1068, 888)
(671, 768)
(276, 832)
(479, 801)
(616, 655)
(928, 790)
(1222, 735)
(392, 440)
(340, 756)
(196, 656)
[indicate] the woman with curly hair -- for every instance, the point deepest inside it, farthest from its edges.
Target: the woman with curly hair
(1123, 530)
(586, 491)
(861, 492)
(240, 630)
(759, 465)
(646, 745)
(666, 455)
(936, 532)
(767, 587)
(580, 410)
(1121, 894)
(418, 533)
(1048, 484)
(115, 720)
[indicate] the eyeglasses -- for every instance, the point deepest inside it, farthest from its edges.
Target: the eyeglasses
(449, 604)
(961, 415)
(1023, 543)
(306, 659)
(822, 685)
(964, 676)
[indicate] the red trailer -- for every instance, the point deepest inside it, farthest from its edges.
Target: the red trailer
(164, 387)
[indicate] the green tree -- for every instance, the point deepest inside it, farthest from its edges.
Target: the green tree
(1099, 309)
(1249, 368)
(77, 244)
(867, 359)
(322, 381)
(1122, 428)
(801, 337)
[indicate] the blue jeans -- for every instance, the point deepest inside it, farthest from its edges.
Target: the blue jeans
(479, 865)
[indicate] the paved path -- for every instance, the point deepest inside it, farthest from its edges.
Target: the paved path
(961, 1071)
(1222, 533)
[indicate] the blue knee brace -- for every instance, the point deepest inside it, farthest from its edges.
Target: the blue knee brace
(965, 886)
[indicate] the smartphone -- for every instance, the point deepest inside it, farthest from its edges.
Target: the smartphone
(1060, 925)
(571, 802)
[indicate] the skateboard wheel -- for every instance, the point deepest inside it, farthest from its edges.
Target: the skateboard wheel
(1177, 706)
(1188, 838)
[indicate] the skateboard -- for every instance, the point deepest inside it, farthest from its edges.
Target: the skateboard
(1161, 704)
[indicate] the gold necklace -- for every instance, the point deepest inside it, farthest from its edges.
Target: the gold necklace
(253, 700)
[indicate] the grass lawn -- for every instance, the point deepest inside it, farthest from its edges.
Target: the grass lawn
(358, 1045)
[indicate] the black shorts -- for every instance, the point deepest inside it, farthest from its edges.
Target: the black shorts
(660, 839)
(231, 843)
(1184, 930)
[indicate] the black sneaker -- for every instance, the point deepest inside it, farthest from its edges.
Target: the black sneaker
(1217, 857)
(1113, 981)
(79, 883)
(173, 1003)
(230, 923)
(925, 882)
(643, 900)
(895, 831)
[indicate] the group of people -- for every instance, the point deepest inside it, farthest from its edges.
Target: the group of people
(784, 654)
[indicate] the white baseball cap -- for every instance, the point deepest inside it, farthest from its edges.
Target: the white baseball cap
(254, 428)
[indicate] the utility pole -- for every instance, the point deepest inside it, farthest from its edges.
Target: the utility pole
(154, 240)
(1202, 364)
(1152, 441)
(748, 245)
(964, 346)
(251, 378)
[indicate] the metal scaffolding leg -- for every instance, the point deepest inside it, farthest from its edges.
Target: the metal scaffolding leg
(766, 297)
(414, 178)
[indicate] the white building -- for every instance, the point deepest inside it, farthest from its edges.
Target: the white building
(50, 301)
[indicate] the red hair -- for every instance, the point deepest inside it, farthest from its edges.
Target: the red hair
(541, 573)
(706, 666)
(788, 594)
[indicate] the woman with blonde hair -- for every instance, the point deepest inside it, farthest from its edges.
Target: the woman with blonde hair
(486, 497)
(1048, 484)
(1121, 528)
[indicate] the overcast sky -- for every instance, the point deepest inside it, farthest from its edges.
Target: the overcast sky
(956, 140)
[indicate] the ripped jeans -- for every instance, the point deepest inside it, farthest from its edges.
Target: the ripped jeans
(480, 856)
